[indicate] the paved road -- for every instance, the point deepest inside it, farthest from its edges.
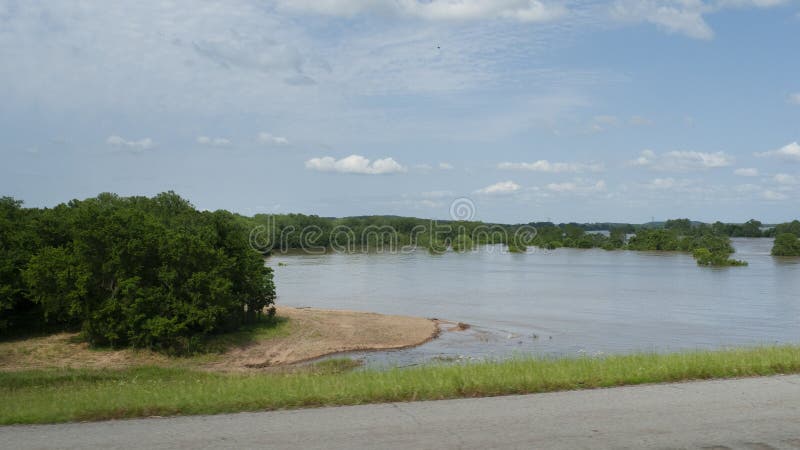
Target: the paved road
(756, 413)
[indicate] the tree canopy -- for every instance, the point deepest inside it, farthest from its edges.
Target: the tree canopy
(146, 272)
(786, 244)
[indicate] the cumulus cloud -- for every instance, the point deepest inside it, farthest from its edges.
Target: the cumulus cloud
(434, 10)
(134, 146)
(269, 139)
(680, 161)
(356, 164)
(686, 17)
(543, 165)
(789, 152)
(500, 188)
(674, 16)
(746, 172)
(213, 142)
(579, 187)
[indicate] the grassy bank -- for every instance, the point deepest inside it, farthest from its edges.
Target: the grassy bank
(57, 396)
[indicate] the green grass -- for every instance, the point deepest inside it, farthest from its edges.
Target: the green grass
(69, 395)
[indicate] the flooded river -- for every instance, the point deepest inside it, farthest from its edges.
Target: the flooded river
(562, 302)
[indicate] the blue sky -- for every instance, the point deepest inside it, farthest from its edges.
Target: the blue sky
(581, 110)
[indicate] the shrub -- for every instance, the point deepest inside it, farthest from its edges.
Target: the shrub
(706, 257)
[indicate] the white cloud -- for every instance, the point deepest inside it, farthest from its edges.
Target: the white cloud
(213, 142)
(134, 146)
(681, 16)
(500, 188)
(680, 161)
(794, 98)
(746, 172)
(749, 3)
(674, 16)
(577, 187)
(748, 188)
(355, 164)
(445, 166)
(434, 10)
(543, 165)
(789, 152)
(602, 123)
(668, 184)
(437, 194)
(662, 183)
(269, 139)
(772, 195)
(784, 178)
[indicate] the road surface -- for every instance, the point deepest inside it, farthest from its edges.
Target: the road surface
(755, 413)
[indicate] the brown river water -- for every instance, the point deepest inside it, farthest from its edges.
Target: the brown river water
(565, 302)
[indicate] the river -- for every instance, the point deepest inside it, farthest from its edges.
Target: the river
(564, 302)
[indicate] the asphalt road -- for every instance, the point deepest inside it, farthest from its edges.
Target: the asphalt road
(755, 413)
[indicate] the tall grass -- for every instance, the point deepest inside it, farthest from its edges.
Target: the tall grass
(68, 395)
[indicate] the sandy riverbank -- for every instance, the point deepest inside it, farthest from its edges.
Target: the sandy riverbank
(307, 334)
(319, 332)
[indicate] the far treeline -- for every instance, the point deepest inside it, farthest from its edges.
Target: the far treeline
(710, 243)
(157, 273)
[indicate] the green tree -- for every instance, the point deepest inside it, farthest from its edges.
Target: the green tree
(786, 244)
(152, 273)
(462, 243)
(18, 242)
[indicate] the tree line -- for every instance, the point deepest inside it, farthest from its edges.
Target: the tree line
(709, 243)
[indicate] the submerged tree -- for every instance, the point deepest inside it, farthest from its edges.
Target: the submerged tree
(786, 244)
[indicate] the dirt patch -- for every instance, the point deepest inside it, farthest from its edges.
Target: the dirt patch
(318, 332)
(311, 333)
(63, 350)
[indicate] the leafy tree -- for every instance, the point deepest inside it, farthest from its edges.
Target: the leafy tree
(152, 273)
(515, 247)
(792, 227)
(786, 244)
(682, 226)
(462, 243)
(17, 244)
(706, 257)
